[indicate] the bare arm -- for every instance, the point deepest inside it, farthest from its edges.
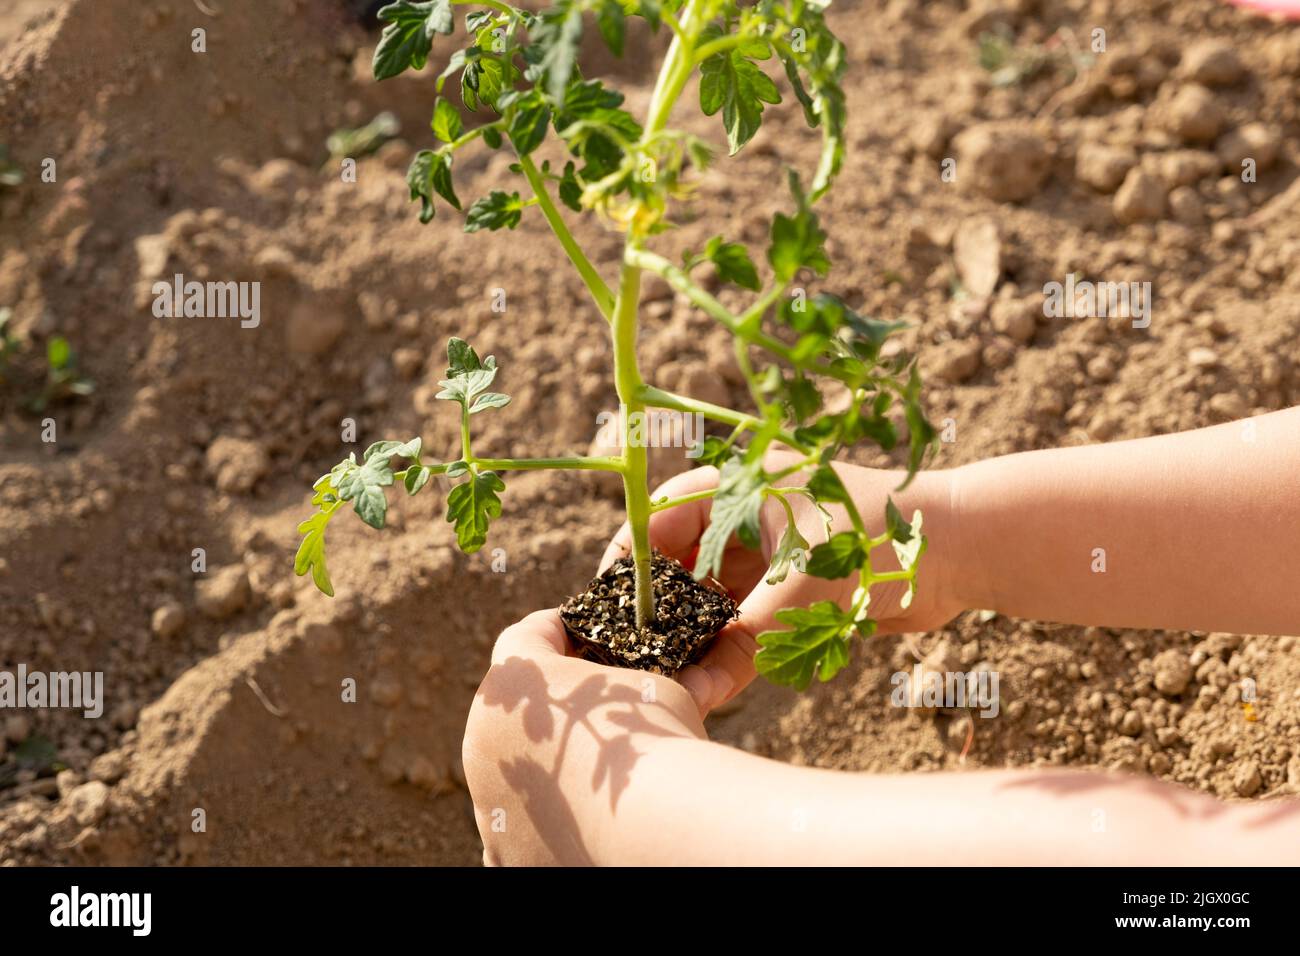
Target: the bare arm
(570, 762)
(1199, 530)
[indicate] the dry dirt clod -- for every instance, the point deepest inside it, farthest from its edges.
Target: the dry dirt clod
(1173, 672)
(1141, 197)
(237, 463)
(1006, 160)
(89, 803)
(1103, 167)
(1212, 62)
(1194, 115)
(954, 361)
(977, 252)
(1254, 141)
(223, 593)
(167, 620)
(1246, 780)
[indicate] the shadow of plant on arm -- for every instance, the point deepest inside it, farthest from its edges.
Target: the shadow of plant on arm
(608, 708)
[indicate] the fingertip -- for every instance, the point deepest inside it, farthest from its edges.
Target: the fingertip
(698, 684)
(540, 632)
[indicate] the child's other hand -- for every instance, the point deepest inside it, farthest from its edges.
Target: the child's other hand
(552, 740)
(728, 666)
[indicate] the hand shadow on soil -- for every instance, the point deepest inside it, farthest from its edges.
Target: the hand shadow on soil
(526, 688)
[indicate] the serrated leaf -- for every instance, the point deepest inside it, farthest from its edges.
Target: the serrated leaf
(732, 262)
(447, 124)
(417, 476)
(311, 552)
(731, 82)
(364, 485)
(797, 243)
(611, 22)
(570, 189)
(497, 210)
(909, 554)
(489, 400)
(837, 558)
(471, 506)
(735, 511)
(483, 79)
(529, 123)
(406, 40)
(553, 49)
(716, 452)
(816, 645)
(825, 485)
(897, 526)
(430, 174)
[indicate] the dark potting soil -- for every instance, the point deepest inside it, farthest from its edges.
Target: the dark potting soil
(601, 621)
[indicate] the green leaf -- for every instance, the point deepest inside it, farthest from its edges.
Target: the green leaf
(461, 357)
(528, 125)
(797, 243)
(553, 49)
(407, 38)
(791, 550)
(732, 262)
(364, 485)
(570, 189)
(825, 485)
(716, 452)
(611, 22)
(447, 124)
(489, 400)
(311, 551)
(909, 554)
(921, 434)
(430, 173)
(733, 83)
(735, 511)
(482, 81)
(387, 449)
(417, 476)
(471, 506)
(815, 645)
(897, 526)
(494, 211)
(839, 557)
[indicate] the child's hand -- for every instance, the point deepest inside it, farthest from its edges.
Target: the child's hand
(728, 666)
(552, 740)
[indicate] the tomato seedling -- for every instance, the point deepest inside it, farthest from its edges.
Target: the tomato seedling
(517, 73)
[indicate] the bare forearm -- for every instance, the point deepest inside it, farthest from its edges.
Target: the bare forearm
(791, 815)
(1191, 531)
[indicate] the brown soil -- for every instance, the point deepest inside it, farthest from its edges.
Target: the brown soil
(228, 693)
(601, 621)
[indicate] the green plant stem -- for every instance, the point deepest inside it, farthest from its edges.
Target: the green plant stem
(600, 292)
(673, 74)
(593, 463)
(636, 486)
(657, 397)
(744, 327)
(663, 504)
(501, 8)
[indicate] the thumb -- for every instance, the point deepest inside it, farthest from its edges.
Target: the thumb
(727, 667)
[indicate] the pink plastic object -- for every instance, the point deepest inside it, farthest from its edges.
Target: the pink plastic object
(1286, 8)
